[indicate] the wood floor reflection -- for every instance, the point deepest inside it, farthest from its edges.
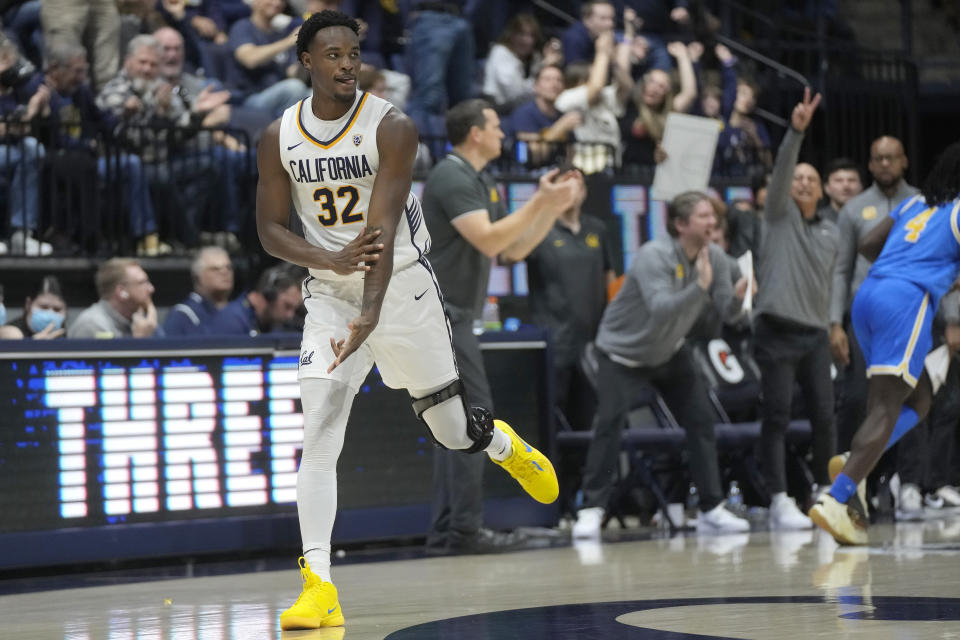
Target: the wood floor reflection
(757, 585)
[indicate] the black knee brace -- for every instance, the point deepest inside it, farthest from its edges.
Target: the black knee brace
(479, 420)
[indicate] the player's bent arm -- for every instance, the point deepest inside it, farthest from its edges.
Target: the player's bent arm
(397, 142)
(273, 208)
(492, 238)
(872, 243)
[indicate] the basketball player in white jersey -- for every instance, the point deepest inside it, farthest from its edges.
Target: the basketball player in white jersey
(345, 158)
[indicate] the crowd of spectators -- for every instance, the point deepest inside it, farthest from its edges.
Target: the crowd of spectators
(107, 96)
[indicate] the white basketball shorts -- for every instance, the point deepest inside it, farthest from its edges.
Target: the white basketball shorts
(410, 346)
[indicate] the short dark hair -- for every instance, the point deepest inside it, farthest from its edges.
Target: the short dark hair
(322, 20)
(463, 117)
(276, 280)
(842, 164)
(681, 207)
(587, 7)
(943, 181)
(556, 67)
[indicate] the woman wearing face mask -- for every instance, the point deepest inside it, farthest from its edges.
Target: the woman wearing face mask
(44, 313)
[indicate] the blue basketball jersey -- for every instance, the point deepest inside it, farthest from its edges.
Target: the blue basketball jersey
(923, 246)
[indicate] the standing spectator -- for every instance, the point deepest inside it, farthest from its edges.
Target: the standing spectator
(790, 329)
(271, 304)
(641, 341)
(440, 60)
(125, 308)
(645, 119)
(843, 183)
(857, 218)
(600, 105)
(744, 143)
(569, 272)
(646, 38)
(469, 226)
(23, 98)
(597, 18)
(212, 275)
(266, 66)
(94, 24)
(513, 62)
(44, 313)
(21, 21)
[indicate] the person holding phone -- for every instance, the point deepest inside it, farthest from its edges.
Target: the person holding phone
(125, 308)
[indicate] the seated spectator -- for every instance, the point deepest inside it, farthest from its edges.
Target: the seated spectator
(148, 113)
(204, 29)
(569, 272)
(513, 62)
(271, 304)
(44, 313)
(266, 66)
(597, 17)
(125, 308)
(599, 103)
(22, 98)
(744, 144)
(645, 119)
(212, 275)
(843, 182)
(75, 122)
(141, 17)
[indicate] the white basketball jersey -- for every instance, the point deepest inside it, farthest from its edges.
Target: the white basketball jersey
(332, 166)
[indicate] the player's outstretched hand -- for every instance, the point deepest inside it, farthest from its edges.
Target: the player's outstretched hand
(358, 254)
(803, 112)
(360, 328)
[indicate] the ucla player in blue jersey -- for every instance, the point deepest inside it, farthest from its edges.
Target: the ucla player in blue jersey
(919, 259)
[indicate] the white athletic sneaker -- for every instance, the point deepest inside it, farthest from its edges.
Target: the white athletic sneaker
(588, 523)
(719, 520)
(910, 504)
(784, 514)
(24, 244)
(949, 495)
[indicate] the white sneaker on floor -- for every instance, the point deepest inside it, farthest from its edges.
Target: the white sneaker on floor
(23, 244)
(719, 520)
(785, 515)
(910, 504)
(588, 523)
(949, 495)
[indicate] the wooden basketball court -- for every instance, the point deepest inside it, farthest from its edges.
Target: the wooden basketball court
(781, 586)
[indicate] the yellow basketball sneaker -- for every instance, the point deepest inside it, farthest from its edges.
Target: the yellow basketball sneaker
(317, 605)
(529, 467)
(835, 466)
(845, 522)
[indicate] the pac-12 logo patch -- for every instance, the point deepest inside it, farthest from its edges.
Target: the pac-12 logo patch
(357, 139)
(306, 358)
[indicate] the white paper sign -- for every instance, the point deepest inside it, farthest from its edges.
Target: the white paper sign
(690, 143)
(745, 262)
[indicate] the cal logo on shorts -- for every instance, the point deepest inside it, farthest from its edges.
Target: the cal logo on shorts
(869, 213)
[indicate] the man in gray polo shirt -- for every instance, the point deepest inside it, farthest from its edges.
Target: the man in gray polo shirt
(469, 226)
(857, 217)
(670, 285)
(125, 308)
(790, 328)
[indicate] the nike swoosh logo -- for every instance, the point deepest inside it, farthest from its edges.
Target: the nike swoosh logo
(332, 610)
(421, 295)
(295, 146)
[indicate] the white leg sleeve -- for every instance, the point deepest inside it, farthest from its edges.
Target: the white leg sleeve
(326, 407)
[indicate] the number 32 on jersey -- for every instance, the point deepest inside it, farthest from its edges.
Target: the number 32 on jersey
(334, 209)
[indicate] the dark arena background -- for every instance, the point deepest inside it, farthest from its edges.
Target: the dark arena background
(148, 484)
